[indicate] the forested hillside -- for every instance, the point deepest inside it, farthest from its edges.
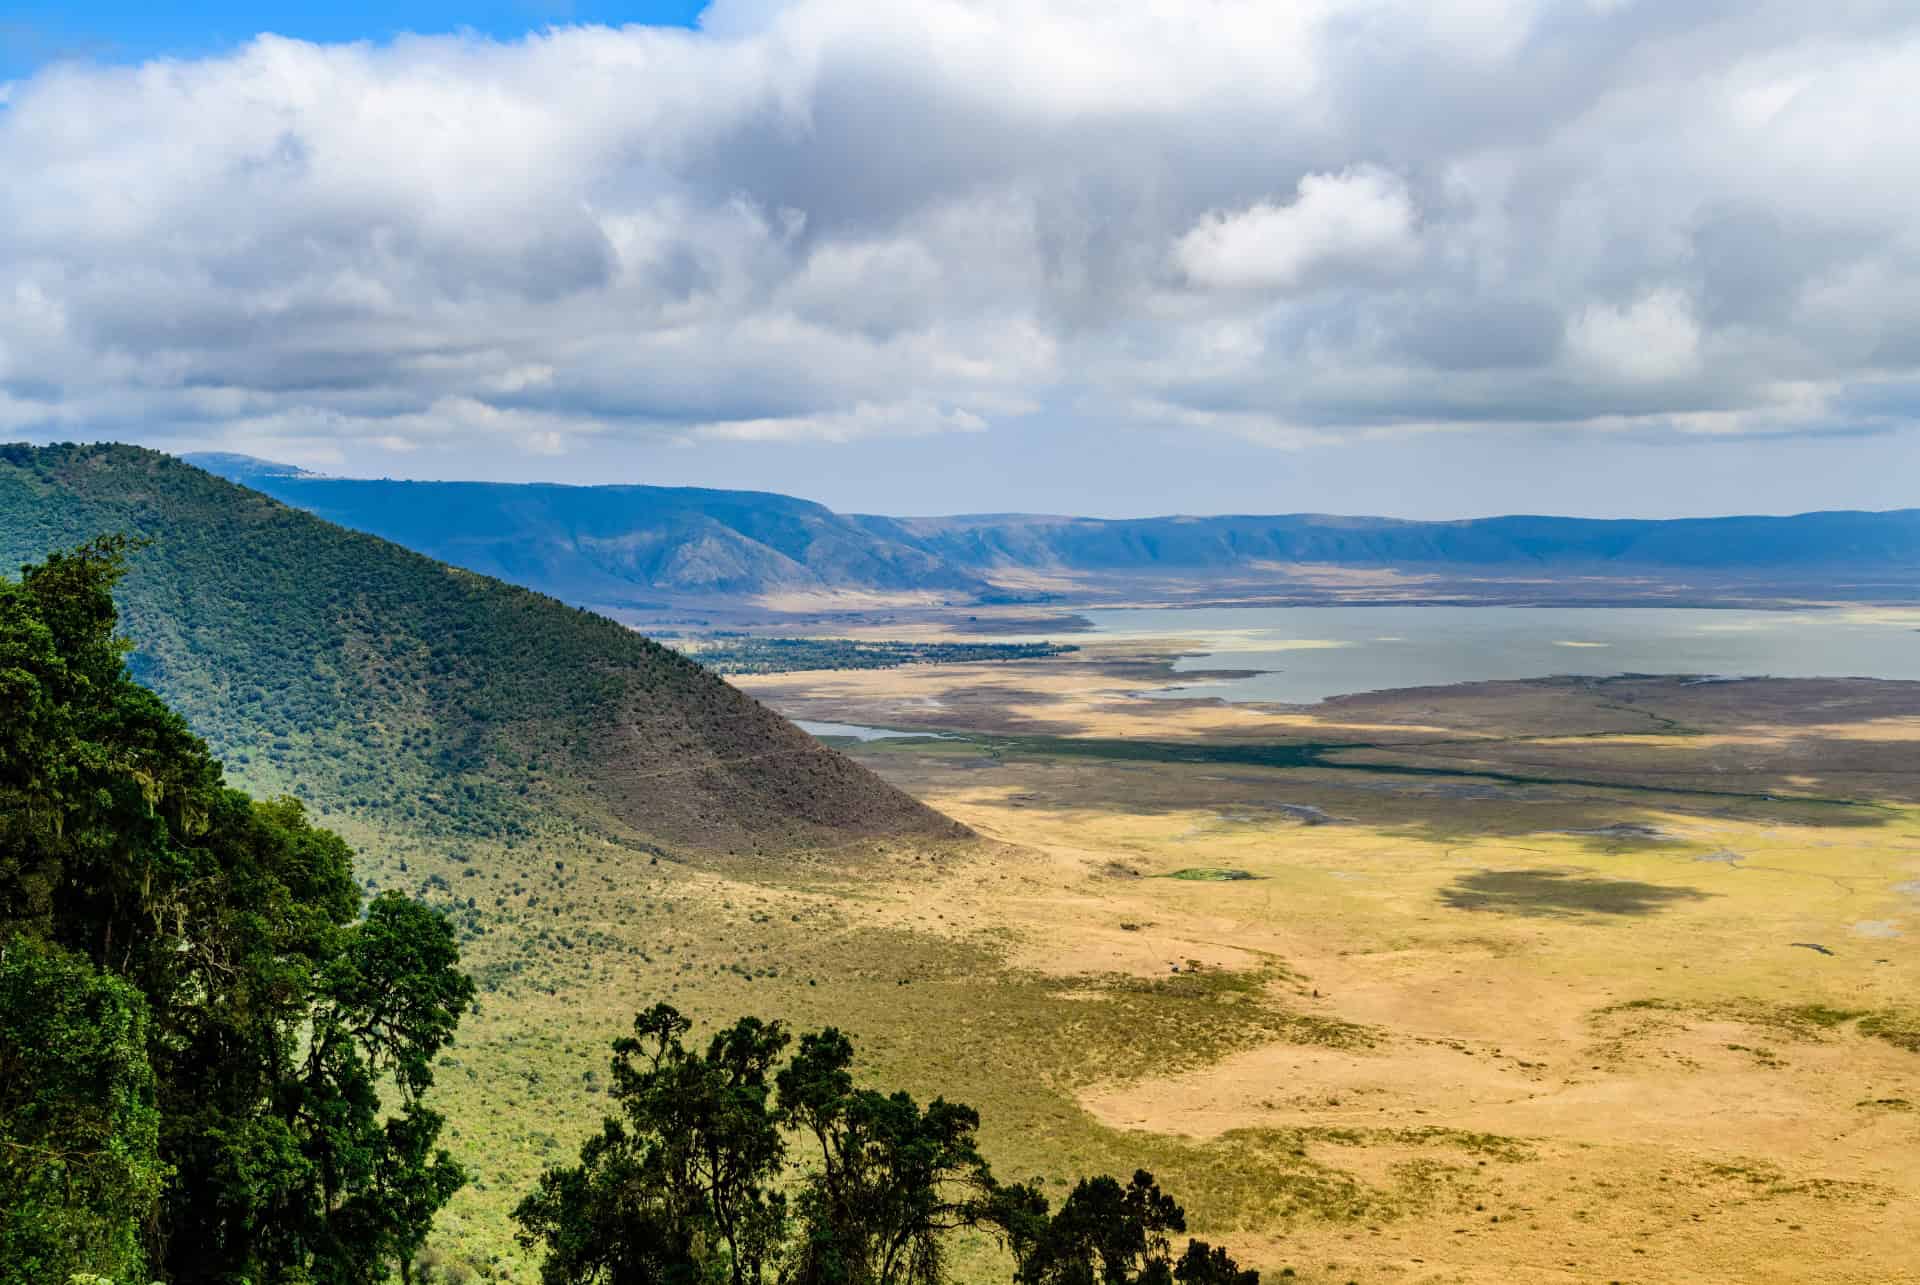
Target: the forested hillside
(374, 681)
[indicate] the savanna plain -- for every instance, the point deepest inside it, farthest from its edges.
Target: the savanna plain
(1581, 979)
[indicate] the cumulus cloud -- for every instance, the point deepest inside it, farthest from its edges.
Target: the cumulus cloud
(826, 220)
(1653, 338)
(1341, 228)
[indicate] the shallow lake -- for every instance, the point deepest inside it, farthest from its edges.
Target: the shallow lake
(858, 732)
(1311, 653)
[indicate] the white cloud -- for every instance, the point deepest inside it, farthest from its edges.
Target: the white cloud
(908, 419)
(1654, 338)
(1345, 226)
(829, 220)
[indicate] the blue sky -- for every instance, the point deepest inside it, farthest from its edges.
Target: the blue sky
(35, 32)
(1422, 258)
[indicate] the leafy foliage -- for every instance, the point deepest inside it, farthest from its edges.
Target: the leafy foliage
(893, 1178)
(681, 1188)
(1204, 1264)
(686, 1186)
(79, 1131)
(1103, 1233)
(205, 1034)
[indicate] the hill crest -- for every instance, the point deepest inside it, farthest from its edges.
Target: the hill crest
(374, 680)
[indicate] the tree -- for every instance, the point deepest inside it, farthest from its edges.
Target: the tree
(1103, 1233)
(1106, 1234)
(893, 1178)
(385, 1006)
(79, 1138)
(681, 1188)
(219, 938)
(1205, 1264)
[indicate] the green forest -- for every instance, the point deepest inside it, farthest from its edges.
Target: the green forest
(215, 1060)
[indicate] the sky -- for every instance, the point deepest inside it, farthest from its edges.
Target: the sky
(1421, 258)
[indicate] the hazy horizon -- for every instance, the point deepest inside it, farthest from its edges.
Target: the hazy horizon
(1036, 513)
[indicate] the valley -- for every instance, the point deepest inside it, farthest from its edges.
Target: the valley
(1575, 980)
(1644, 939)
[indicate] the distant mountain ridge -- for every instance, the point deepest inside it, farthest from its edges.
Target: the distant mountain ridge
(379, 683)
(614, 545)
(611, 544)
(1729, 543)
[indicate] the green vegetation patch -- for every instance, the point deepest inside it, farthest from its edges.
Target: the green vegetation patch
(1766, 1181)
(1898, 1027)
(741, 654)
(1211, 874)
(1220, 988)
(1274, 1176)
(1364, 757)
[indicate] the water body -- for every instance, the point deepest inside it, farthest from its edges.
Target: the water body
(857, 732)
(1311, 653)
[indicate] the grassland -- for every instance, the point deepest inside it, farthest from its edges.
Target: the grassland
(1635, 952)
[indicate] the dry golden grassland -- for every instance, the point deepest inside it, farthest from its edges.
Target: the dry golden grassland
(1559, 982)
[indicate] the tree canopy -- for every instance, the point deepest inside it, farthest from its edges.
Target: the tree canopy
(214, 1060)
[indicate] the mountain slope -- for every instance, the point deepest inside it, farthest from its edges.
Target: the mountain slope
(610, 545)
(376, 681)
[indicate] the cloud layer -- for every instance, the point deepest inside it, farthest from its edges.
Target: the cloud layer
(835, 220)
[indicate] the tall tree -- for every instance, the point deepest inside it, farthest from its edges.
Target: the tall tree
(268, 1013)
(893, 1179)
(681, 1188)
